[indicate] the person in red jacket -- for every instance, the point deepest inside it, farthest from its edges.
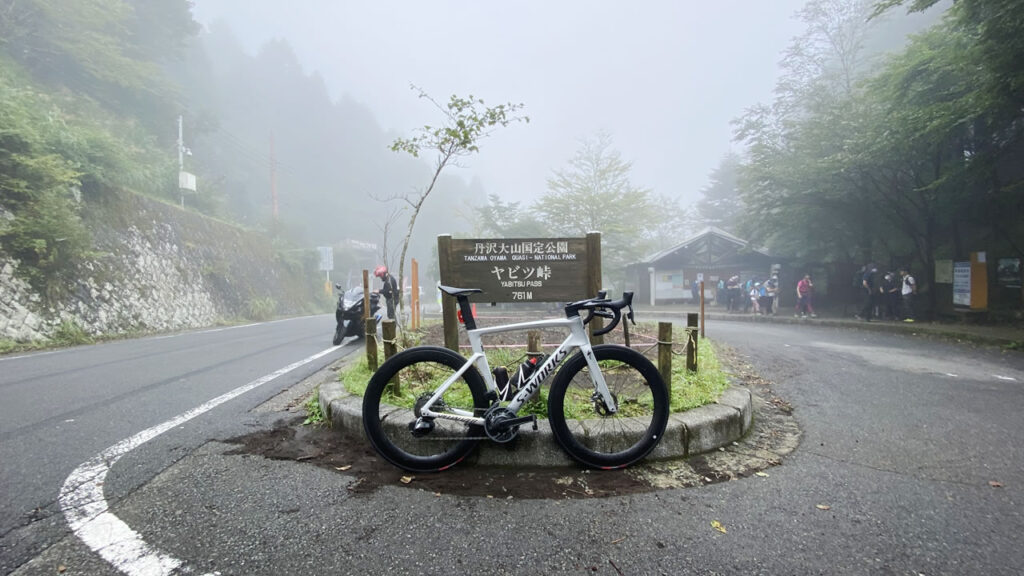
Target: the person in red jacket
(804, 291)
(390, 289)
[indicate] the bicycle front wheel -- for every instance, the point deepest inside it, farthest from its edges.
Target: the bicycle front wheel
(395, 395)
(581, 423)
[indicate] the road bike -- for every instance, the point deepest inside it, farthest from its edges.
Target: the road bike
(427, 407)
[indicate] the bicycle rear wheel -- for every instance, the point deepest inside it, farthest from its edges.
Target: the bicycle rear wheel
(581, 423)
(389, 417)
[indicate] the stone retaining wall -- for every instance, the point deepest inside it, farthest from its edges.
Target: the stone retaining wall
(159, 268)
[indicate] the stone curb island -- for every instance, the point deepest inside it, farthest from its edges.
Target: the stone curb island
(695, 431)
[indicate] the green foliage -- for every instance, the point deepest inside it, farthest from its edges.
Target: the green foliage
(355, 376)
(314, 414)
(43, 230)
(104, 49)
(466, 122)
(594, 193)
(8, 346)
(721, 204)
(59, 148)
(689, 389)
(261, 309)
(905, 162)
(69, 333)
(693, 389)
(500, 219)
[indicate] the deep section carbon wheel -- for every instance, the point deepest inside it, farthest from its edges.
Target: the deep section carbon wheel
(582, 423)
(395, 396)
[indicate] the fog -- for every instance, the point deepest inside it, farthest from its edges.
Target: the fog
(663, 79)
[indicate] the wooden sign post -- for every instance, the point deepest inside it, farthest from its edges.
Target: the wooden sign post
(518, 270)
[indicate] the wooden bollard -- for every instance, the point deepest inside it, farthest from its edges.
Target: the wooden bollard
(388, 331)
(390, 349)
(533, 347)
(691, 319)
(665, 354)
(371, 343)
(691, 341)
(691, 348)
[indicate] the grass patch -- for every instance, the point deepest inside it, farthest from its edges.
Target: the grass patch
(69, 333)
(261, 309)
(314, 414)
(8, 346)
(689, 389)
(693, 389)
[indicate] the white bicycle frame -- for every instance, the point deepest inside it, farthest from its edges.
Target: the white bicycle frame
(577, 338)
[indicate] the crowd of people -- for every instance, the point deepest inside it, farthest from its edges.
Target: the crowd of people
(757, 295)
(888, 296)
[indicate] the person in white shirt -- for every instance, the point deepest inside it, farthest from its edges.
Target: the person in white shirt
(907, 293)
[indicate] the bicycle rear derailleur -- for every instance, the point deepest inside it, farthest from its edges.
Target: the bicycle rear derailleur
(424, 425)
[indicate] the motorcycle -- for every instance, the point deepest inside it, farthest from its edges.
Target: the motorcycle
(349, 314)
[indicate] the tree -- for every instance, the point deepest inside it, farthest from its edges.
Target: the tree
(594, 193)
(721, 205)
(465, 122)
(506, 220)
(799, 201)
(912, 161)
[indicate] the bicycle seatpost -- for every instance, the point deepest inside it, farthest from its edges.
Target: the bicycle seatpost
(467, 312)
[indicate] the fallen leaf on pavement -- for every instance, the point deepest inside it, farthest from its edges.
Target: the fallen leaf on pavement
(718, 526)
(823, 507)
(406, 479)
(761, 474)
(343, 468)
(995, 484)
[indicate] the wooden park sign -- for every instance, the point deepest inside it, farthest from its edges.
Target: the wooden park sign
(519, 269)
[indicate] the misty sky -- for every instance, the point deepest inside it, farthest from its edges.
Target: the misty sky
(663, 78)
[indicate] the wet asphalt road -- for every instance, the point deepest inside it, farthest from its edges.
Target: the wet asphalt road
(911, 462)
(62, 407)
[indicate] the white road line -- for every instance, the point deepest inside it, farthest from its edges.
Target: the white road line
(1010, 378)
(86, 510)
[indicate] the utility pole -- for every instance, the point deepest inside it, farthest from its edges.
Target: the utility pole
(186, 180)
(273, 178)
(181, 160)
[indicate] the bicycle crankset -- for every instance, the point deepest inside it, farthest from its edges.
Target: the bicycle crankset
(502, 425)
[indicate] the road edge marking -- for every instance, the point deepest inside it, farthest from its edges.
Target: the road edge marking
(86, 510)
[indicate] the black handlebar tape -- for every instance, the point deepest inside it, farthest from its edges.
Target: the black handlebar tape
(615, 322)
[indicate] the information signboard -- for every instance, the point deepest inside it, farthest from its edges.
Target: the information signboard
(519, 269)
(326, 258)
(961, 283)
